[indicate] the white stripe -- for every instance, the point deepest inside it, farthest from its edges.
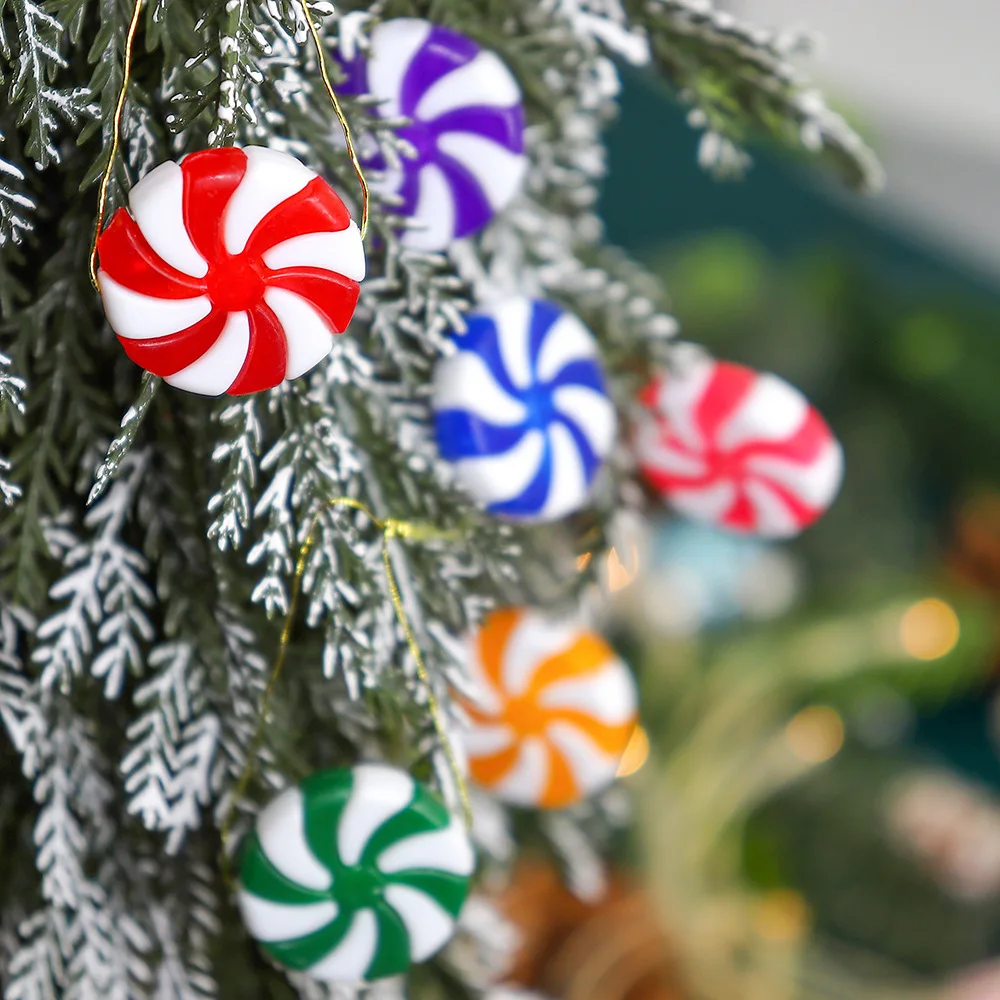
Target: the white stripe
(394, 44)
(141, 317)
(281, 832)
(498, 171)
(216, 370)
(465, 382)
(566, 340)
(679, 397)
(568, 485)
(341, 252)
(434, 214)
(705, 503)
(427, 924)
(652, 449)
(774, 518)
(591, 411)
(482, 82)
(271, 177)
(591, 766)
(535, 639)
(816, 483)
(771, 411)
(378, 793)
(608, 695)
(482, 740)
(447, 850)
(524, 784)
(349, 961)
(513, 323)
(157, 204)
(308, 337)
(492, 478)
(267, 921)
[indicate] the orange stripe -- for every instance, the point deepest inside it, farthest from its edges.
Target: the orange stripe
(494, 635)
(611, 739)
(585, 656)
(488, 771)
(560, 789)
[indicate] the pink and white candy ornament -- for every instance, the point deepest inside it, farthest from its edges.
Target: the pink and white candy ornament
(737, 448)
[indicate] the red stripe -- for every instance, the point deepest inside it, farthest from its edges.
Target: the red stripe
(267, 356)
(802, 447)
(210, 178)
(127, 258)
(314, 209)
(169, 355)
(727, 388)
(332, 295)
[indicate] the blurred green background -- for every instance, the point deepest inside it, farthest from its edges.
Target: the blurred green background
(893, 837)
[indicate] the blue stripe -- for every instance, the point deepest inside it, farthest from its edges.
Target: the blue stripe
(483, 338)
(585, 372)
(543, 317)
(461, 434)
(587, 455)
(532, 498)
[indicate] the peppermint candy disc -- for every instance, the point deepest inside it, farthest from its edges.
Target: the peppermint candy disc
(522, 412)
(466, 126)
(556, 711)
(354, 874)
(746, 451)
(231, 270)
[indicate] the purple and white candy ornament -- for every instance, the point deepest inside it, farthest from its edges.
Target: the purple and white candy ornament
(466, 124)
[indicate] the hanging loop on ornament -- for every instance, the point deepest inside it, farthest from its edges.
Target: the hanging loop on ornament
(391, 528)
(116, 127)
(352, 152)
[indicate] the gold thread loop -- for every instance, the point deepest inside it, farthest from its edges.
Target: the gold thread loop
(352, 152)
(109, 169)
(390, 528)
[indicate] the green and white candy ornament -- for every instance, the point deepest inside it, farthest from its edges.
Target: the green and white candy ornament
(354, 874)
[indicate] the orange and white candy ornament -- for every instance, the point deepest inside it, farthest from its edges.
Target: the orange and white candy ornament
(555, 710)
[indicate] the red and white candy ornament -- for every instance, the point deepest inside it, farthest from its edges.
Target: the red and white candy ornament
(743, 450)
(231, 270)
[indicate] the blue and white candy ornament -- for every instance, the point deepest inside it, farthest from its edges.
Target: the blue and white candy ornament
(522, 411)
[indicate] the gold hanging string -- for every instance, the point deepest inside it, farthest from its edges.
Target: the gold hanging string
(390, 528)
(109, 169)
(341, 117)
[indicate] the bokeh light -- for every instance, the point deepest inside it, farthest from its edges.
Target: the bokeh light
(636, 753)
(815, 734)
(781, 915)
(620, 575)
(929, 629)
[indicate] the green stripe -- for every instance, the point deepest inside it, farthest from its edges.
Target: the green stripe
(423, 814)
(445, 888)
(393, 954)
(260, 877)
(304, 952)
(325, 795)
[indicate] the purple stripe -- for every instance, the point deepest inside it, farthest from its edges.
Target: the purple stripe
(409, 189)
(504, 126)
(442, 52)
(472, 209)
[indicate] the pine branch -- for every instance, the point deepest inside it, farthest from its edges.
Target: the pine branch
(40, 106)
(15, 205)
(119, 447)
(12, 408)
(104, 590)
(172, 745)
(232, 504)
(739, 80)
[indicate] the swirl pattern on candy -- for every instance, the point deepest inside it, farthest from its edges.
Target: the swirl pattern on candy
(522, 411)
(466, 126)
(556, 711)
(740, 449)
(354, 874)
(231, 270)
